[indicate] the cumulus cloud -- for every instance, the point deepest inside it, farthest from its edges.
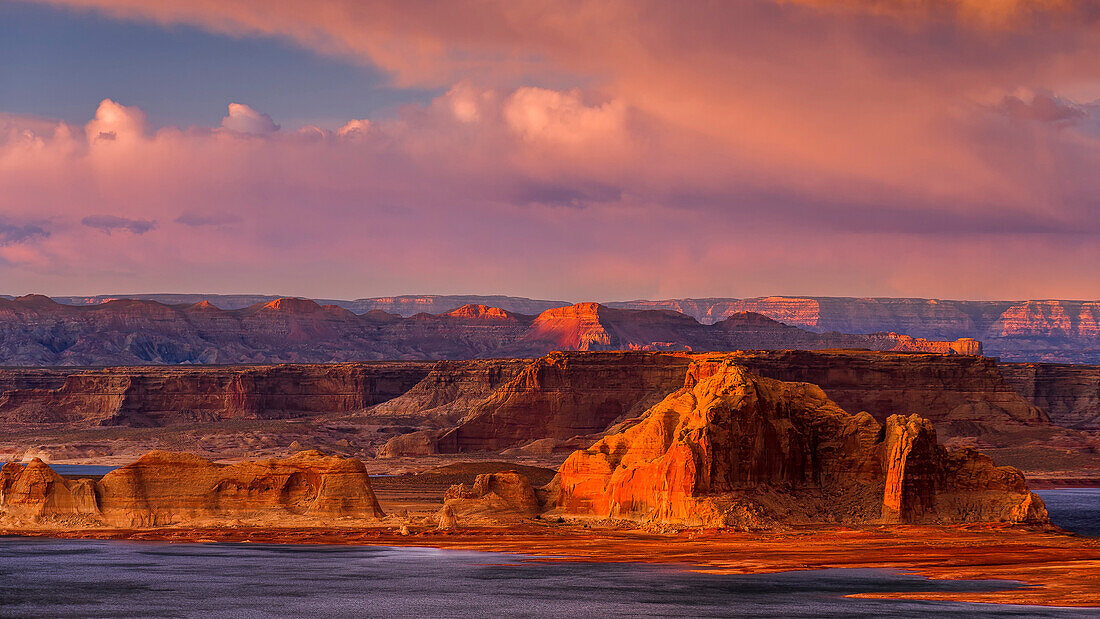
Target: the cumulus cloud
(244, 119)
(114, 121)
(110, 223)
(354, 128)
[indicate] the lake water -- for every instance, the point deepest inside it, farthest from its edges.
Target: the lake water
(82, 469)
(95, 578)
(1074, 509)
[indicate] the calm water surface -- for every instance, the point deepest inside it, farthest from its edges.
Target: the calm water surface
(94, 578)
(1074, 509)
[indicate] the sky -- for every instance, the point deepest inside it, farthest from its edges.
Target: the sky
(574, 150)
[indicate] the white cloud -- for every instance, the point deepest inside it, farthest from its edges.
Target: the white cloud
(244, 119)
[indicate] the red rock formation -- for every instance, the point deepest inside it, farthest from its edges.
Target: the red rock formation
(483, 312)
(164, 488)
(495, 495)
(733, 449)
(35, 492)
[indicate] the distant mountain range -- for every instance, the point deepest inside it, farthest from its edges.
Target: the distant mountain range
(36, 330)
(405, 305)
(1062, 331)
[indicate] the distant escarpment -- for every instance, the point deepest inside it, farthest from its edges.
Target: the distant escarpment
(1038, 330)
(163, 396)
(734, 449)
(35, 330)
(401, 305)
(164, 488)
(1052, 331)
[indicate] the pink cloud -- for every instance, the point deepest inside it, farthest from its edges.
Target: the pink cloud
(244, 119)
(917, 148)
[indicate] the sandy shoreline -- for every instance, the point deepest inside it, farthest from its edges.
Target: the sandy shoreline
(1059, 569)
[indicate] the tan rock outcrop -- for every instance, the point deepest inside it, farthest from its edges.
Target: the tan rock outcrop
(35, 492)
(734, 449)
(494, 494)
(445, 519)
(165, 488)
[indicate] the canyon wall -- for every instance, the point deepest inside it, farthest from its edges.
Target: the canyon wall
(563, 395)
(734, 449)
(160, 396)
(1070, 394)
(964, 396)
(493, 404)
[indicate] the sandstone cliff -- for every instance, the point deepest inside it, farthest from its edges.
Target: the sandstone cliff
(449, 392)
(734, 449)
(963, 395)
(563, 395)
(160, 396)
(1070, 394)
(164, 488)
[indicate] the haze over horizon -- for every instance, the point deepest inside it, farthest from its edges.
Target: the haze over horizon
(612, 151)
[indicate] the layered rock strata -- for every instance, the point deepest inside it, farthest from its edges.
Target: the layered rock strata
(165, 488)
(160, 396)
(734, 449)
(1070, 394)
(563, 395)
(963, 395)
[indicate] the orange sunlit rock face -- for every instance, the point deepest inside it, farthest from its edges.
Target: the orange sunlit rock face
(734, 449)
(166, 488)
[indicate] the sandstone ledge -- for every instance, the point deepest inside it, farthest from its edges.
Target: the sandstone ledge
(166, 488)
